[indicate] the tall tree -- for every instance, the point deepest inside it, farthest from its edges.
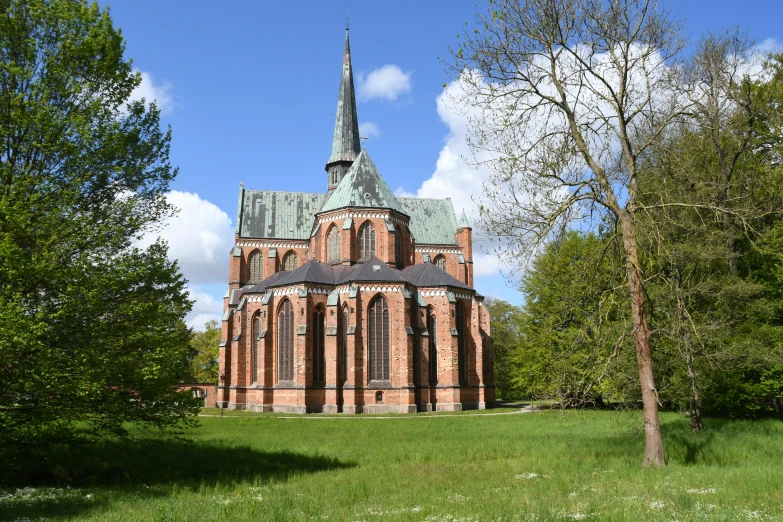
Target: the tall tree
(566, 96)
(92, 328)
(505, 319)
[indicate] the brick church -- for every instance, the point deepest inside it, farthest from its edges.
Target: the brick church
(352, 300)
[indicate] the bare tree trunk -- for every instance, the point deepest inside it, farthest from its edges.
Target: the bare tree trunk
(695, 406)
(653, 451)
(696, 422)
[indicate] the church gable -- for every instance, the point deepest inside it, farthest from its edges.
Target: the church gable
(362, 186)
(432, 221)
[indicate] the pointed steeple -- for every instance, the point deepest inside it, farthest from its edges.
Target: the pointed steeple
(345, 144)
(463, 221)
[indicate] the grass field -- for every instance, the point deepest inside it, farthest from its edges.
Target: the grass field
(537, 466)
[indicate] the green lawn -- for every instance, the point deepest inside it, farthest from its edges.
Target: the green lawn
(538, 466)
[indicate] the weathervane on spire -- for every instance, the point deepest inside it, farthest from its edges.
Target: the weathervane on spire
(347, 21)
(363, 139)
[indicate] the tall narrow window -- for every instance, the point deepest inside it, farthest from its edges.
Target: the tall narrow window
(379, 339)
(440, 262)
(432, 326)
(319, 359)
(397, 247)
(462, 352)
(255, 342)
(285, 342)
(333, 245)
(366, 241)
(290, 262)
(255, 265)
(344, 347)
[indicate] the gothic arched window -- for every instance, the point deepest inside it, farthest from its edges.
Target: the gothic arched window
(290, 262)
(333, 245)
(440, 262)
(378, 322)
(432, 327)
(255, 342)
(255, 265)
(366, 241)
(343, 357)
(462, 352)
(285, 342)
(319, 359)
(397, 246)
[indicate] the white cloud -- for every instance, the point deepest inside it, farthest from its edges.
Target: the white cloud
(152, 91)
(770, 45)
(205, 308)
(485, 265)
(199, 238)
(386, 83)
(369, 129)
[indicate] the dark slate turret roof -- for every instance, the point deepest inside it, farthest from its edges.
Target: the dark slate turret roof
(362, 186)
(345, 144)
(276, 214)
(427, 275)
(432, 221)
(311, 272)
(373, 270)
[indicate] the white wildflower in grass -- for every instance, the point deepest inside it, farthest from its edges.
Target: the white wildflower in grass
(657, 504)
(456, 497)
(391, 512)
(530, 476)
(702, 491)
(572, 494)
(602, 471)
(26, 497)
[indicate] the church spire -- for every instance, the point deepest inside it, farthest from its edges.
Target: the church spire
(345, 144)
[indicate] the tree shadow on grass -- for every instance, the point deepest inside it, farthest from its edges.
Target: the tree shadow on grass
(681, 444)
(146, 469)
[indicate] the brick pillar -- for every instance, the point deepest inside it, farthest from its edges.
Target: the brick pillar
(224, 365)
(407, 359)
(465, 242)
(448, 391)
(346, 245)
(478, 351)
(270, 263)
(235, 267)
(353, 399)
(301, 368)
(330, 356)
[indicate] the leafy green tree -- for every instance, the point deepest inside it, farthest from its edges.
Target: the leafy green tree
(204, 354)
(573, 342)
(505, 319)
(92, 332)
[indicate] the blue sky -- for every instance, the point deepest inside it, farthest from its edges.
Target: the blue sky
(250, 90)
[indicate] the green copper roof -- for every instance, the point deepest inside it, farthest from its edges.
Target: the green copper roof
(463, 221)
(277, 215)
(433, 221)
(362, 186)
(345, 144)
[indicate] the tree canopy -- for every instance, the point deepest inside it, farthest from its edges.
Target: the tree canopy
(92, 328)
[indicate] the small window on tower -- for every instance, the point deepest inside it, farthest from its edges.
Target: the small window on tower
(440, 262)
